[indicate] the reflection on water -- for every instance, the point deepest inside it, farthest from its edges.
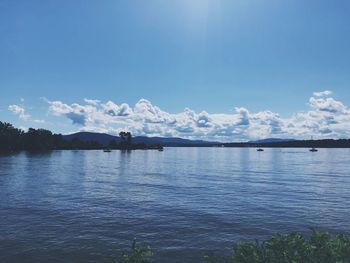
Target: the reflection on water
(83, 206)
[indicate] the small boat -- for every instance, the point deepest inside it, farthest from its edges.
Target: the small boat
(160, 148)
(313, 149)
(107, 150)
(260, 150)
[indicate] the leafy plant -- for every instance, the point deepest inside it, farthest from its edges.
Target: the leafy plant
(137, 254)
(292, 248)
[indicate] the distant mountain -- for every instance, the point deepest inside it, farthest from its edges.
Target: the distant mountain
(172, 141)
(105, 139)
(101, 138)
(271, 140)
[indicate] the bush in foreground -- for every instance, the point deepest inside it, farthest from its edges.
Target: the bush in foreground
(137, 254)
(321, 247)
(292, 248)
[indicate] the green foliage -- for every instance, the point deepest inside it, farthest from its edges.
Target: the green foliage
(126, 140)
(137, 254)
(9, 137)
(321, 247)
(13, 139)
(292, 248)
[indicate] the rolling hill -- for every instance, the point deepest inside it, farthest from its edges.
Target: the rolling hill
(105, 139)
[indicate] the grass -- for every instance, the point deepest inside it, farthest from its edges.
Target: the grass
(321, 247)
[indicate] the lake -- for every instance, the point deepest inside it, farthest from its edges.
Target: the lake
(84, 206)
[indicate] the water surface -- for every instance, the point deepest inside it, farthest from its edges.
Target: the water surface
(84, 206)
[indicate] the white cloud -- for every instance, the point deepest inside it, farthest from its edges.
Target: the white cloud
(326, 118)
(39, 121)
(20, 111)
(328, 105)
(113, 109)
(92, 101)
(322, 93)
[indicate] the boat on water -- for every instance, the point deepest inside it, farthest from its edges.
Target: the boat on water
(161, 148)
(313, 150)
(107, 150)
(260, 150)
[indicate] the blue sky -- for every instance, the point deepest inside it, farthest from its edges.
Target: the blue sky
(206, 55)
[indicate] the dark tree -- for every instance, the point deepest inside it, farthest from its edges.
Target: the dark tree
(10, 137)
(39, 139)
(126, 142)
(113, 144)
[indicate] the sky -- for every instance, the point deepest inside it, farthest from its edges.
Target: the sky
(229, 70)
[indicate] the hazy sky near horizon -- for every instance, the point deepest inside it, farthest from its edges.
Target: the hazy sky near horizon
(226, 69)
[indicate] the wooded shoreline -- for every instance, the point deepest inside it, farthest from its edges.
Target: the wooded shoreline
(14, 139)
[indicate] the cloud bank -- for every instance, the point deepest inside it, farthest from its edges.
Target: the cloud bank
(326, 118)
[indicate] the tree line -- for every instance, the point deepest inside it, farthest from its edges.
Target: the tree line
(14, 139)
(325, 143)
